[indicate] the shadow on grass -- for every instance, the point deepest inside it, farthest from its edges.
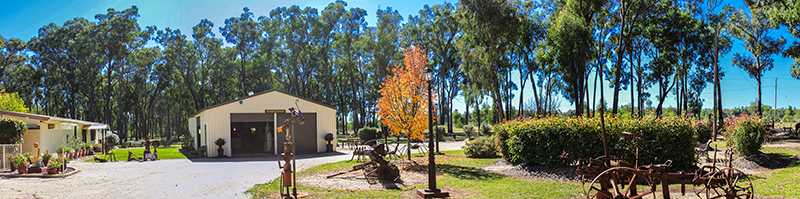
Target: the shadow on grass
(773, 160)
(460, 172)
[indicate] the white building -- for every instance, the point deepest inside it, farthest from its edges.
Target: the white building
(248, 124)
(50, 132)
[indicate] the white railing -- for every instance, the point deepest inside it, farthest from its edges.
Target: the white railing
(8, 149)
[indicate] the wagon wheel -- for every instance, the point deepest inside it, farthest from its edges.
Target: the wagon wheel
(728, 183)
(619, 182)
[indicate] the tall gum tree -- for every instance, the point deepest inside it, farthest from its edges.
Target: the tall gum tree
(753, 29)
(489, 27)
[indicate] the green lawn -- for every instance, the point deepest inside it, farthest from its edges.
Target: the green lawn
(163, 153)
(781, 182)
(457, 173)
(463, 175)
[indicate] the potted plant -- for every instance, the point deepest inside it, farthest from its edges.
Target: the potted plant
(21, 162)
(70, 152)
(61, 150)
(64, 161)
(328, 137)
(201, 151)
(11, 158)
(46, 157)
(54, 166)
(88, 148)
(219, 143)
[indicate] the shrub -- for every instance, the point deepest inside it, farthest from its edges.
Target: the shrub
(440, 131)
(112, 139)
(486, 129)
(186, 141)
(469, 131)
(745, 134)
(703, 129)
(367, 134)
(12, 130)
(559, 141)
(481, 147)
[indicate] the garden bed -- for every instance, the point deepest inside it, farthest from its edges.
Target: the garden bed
(67, 172)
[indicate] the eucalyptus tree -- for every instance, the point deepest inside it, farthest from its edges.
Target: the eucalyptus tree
(630, 12)
(718, 41)
(68, 55)
(488, 31)
(242, 32)
(675, 36)
(530, 33)
(573, 19)
(12, 56)
(296, 70)
(47, 55)
(350, 67)
(785, 13)
(329, 24)
(211, 59)
(14, 66)
(384, 46)
(117, 34)
(754, 29)
(435, 29)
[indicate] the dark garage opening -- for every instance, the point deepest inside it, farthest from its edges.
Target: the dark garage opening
(252, 138)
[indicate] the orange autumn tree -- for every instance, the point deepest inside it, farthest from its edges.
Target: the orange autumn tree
(403, 105)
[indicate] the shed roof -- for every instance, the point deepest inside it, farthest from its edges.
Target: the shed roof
(261, 93)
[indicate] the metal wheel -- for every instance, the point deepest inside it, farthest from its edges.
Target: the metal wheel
(728, 183)
(619, 183)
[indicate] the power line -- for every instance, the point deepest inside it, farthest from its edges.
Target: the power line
(787, 97)
(748, 82)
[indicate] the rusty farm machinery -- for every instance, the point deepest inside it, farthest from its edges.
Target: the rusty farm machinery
(626, 180)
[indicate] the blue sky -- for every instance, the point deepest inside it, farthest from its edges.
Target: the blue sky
(22, 19)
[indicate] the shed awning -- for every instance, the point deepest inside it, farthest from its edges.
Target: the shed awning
(98, 126)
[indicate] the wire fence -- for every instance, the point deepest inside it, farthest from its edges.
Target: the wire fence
(7, 149)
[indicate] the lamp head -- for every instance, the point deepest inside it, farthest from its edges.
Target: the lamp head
(429, 74)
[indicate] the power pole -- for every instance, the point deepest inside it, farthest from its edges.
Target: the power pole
(775, 108)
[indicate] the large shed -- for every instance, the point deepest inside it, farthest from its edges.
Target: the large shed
(248, 124)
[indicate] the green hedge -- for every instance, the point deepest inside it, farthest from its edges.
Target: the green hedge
(560, 141)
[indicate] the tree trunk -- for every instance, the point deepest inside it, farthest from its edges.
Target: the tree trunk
(758, 81)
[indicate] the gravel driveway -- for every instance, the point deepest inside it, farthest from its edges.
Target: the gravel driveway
(179, 178)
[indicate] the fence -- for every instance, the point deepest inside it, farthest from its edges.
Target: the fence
(8, 149)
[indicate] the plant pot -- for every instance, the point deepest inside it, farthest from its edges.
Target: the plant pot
(52, 170)
(45, 161)
(61, 155)
(13, 168)
(22, 170)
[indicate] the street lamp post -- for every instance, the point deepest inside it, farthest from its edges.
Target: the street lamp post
(431, 191)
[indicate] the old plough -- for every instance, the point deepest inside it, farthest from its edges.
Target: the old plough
(377, 168)
(626, 180)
